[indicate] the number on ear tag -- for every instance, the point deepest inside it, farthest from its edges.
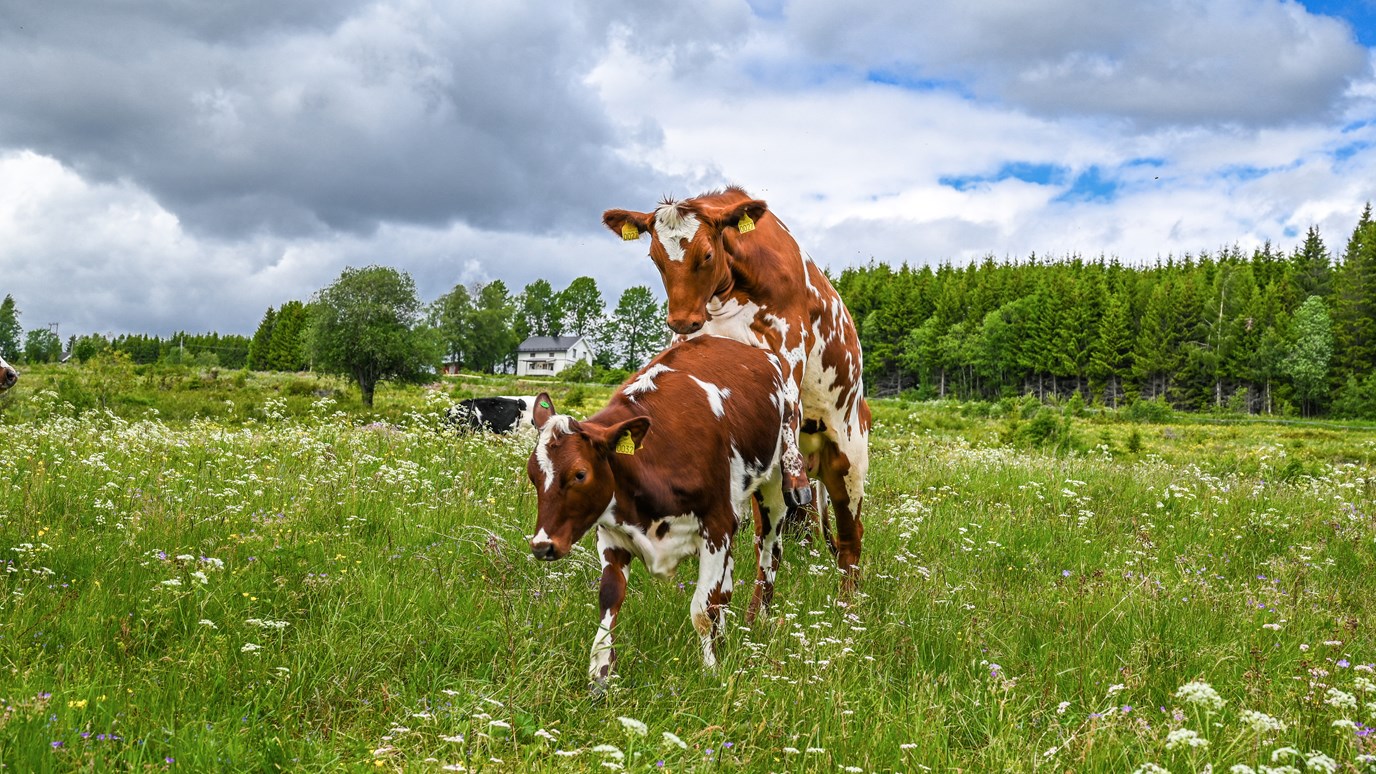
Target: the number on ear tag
(626, 445)
(629, 232)
(746, 225)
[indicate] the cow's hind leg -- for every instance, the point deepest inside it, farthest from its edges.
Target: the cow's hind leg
(843, 467)
(768, 548)
(713, 593)
(611, 593)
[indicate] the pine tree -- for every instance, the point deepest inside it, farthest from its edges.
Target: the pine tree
(1313, 267)
(1354, 307)
(1110, 358)
(10, 332)
(262, 338)
(287, 345)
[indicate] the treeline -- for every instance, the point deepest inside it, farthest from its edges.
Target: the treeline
(42, 345)
(1267, 333)
(478, 327)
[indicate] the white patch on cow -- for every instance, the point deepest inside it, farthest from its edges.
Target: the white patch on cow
(731, 319)
(715, 395)
(554, 426)
(661, 555)
(671, 227)
(601, 656)
(540, 537)
(714, 572)
(526, 418)
(646, 381)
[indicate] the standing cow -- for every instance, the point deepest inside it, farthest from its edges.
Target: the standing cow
(8, 376)
(665, 472)
(731, 268)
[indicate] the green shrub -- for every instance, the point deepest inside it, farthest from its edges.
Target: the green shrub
(1155, 411)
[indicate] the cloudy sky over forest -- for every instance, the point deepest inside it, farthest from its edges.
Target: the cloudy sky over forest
(168, 165)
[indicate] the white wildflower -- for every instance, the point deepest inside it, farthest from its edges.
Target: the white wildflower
(452, 739)
(1062, 707)
(1050, 751)
(568, 753)
(543, 734)
(1200, 693)
(200, 577)
(634, 726)
(498, 724)
(1363, 685)
(1151, 768)
(1261, 723)
(852, 769)
(1345, 724)
(812, 750)
(613, 765)
(609, 749)
(791, 751)
(249, 647)
(670, 738)
(1184, 737)
(1340, 699)
(1275, 627)
(1281, 753)
(1317, 761)
(171, 582)
(207, 622)
(1241, 768)
(1115, 688)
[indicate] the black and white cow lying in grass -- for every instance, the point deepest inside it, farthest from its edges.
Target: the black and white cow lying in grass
(502, 414)
(8, 376)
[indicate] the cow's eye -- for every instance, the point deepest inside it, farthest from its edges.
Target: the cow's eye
(708, 257)
(580, 475)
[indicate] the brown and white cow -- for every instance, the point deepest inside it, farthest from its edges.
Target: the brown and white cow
(665, 472)
(731, 268)
(8, 376)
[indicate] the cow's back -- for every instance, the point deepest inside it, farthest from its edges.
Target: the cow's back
(710, 395)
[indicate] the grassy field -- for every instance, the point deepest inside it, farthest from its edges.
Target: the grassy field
(244, 572)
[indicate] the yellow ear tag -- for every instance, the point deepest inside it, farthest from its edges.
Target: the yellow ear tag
(629, 232)
(626, 445)
(746, 225)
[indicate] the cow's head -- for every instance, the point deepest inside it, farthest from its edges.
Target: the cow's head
(8, 376)
(690, 243)
(572, 474)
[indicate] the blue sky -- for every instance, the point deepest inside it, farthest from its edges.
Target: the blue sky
(166, 167)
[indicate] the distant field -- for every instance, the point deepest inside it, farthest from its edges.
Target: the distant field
(244, 571)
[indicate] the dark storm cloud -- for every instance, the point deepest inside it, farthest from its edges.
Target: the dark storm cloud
(1245, 62)
(301, 118)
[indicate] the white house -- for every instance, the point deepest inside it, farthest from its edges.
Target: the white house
(548, 355)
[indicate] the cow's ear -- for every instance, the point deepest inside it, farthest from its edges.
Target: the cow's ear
(624, 437)
(741, 217)
(543, 410)
(626, 224)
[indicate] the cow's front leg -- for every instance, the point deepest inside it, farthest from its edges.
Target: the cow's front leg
(713, 593)
(611, 593)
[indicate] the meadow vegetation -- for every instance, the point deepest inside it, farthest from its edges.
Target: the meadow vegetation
(236, 571)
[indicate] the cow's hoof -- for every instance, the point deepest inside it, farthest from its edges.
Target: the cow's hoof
(597, 689)
(797, 498)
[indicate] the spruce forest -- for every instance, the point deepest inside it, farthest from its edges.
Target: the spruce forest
(1265, 333)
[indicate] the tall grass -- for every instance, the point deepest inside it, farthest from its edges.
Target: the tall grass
(302, 586)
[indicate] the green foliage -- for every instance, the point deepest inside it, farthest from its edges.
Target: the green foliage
(1155, 411)
(42, 346)
(492, 339)
(10, 330)
(367, 325)
(260, 347)
(636, 330)
(1307, 363)
(539, 311)
(583, 308)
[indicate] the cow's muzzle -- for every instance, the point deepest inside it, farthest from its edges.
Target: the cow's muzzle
(7, 378)
(545, 550)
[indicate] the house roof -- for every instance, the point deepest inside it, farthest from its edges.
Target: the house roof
(548, 343)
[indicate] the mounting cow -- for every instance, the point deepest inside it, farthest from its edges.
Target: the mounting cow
(499, 415)
(8, 376)
(731, 268)
(665, 472)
